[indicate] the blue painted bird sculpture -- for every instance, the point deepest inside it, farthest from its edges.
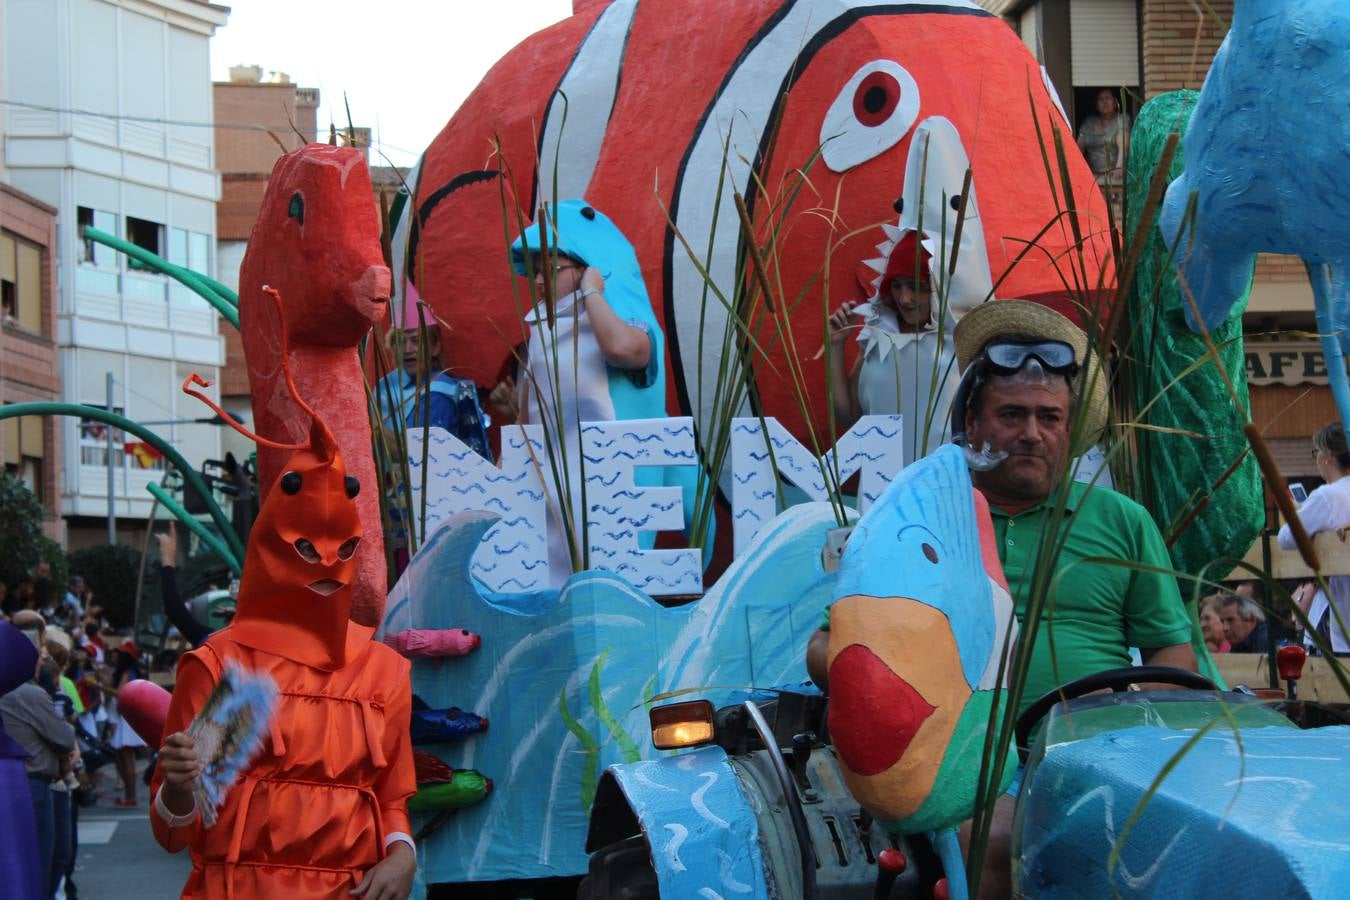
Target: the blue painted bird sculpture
(1267, 150)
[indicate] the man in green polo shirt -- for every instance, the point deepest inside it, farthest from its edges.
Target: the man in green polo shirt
(1019, 408)
(1034, 375)
(1020, 404)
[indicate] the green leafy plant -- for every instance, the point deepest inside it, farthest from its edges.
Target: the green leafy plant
(20, 525)
(112, 572)
(54, 555)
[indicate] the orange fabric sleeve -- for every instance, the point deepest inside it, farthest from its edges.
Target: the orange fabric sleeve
(398, 780)
(192, 686)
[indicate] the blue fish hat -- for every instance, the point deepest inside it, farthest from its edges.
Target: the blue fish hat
(579, 230)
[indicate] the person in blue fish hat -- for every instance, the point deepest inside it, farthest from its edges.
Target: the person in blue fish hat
(595, 352)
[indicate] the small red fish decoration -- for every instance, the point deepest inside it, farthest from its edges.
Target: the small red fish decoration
(433, 642)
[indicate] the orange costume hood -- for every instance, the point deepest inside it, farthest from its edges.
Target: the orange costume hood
(295, 594)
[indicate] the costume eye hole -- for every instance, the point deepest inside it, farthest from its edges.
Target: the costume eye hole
(297, 208)
(306, 550)
(290, 483)
(929, 552)
(873, 111)
(348, 548)
(352, 485)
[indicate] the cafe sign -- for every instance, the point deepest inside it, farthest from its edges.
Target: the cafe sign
(1285, 362)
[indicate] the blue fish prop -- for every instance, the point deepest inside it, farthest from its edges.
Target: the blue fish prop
(919, 627)
(442, 726)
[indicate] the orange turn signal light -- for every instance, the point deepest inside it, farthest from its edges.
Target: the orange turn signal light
(678, 725)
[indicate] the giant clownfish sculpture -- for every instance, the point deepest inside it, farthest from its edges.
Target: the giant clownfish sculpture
(651, 93)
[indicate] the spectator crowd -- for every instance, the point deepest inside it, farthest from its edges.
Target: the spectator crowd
(61, 723)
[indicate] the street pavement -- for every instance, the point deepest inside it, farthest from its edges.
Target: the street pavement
(119, 859)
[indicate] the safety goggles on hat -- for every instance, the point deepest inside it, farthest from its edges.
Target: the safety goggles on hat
(1008, 357)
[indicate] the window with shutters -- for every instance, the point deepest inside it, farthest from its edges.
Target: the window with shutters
(20, 284)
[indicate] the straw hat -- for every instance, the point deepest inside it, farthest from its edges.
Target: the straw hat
(1002, 318)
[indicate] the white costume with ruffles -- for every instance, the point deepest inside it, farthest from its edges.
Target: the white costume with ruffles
(909, 373)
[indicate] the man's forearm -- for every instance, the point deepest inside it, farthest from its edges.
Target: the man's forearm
(817, 656)
(1177, 656)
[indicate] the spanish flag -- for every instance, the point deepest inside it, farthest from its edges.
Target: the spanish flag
(144, 454)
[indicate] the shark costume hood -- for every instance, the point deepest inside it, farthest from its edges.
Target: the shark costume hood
(579, 230)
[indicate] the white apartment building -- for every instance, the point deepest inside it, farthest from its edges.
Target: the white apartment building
(107, 117)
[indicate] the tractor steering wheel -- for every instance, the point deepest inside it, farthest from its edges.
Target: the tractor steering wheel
(1111, 679)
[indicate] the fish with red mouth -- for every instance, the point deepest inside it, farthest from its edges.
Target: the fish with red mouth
(921, 619)
(607, 105)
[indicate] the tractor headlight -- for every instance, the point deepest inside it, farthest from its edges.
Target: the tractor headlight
(679, 725)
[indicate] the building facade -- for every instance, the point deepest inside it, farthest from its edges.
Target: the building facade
(1143, 48)
(30, 368)
(107, 120)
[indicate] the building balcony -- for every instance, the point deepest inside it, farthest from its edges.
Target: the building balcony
(130, 497)
(141, 300)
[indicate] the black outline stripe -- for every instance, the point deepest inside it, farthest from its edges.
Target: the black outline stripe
(463, 179)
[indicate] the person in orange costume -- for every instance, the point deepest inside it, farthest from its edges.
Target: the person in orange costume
(322, 810)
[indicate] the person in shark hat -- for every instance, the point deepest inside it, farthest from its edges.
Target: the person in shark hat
(322, 810)
(906, 363)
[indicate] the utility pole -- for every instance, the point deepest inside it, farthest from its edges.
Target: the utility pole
(112, 511)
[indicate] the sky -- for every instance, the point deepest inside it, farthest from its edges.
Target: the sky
(404, 65)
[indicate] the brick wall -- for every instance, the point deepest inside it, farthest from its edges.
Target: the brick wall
(237, 210)
(30, 367)
(234, 376)
(243, 110)
(1179, 42)
(1279, 267)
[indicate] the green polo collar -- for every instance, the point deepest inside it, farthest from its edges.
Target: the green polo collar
(1077, 491)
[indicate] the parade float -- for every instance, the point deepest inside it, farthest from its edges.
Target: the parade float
(576, 730)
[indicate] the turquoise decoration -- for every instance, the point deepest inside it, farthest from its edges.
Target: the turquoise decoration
(929, 502)
(918, 632)
(1268, 798)
(567, 679)
(1266, 154)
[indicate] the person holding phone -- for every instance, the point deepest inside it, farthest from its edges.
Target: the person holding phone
(1327, 509)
